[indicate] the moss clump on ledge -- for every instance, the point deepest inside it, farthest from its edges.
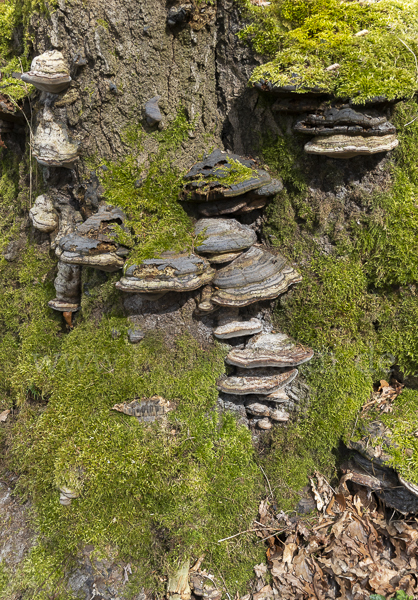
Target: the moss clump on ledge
(149, 193)
(305, 37)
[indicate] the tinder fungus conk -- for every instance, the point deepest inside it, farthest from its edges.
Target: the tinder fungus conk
(220, 175)
(255, 275)
(144, 409)
(223, 236)
(255, 381)
(52, 146)
(43, 214)
(48, 72)
(270, 350)
(345, 121)
(68, 288)
(170, 273)
(93, 243)
(238, 329)
(347, 146)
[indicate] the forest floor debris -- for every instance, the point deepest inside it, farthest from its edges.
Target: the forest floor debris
(351, 548)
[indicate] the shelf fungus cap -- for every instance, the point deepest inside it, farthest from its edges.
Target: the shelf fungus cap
(170, 273)
(68, 288)
(93, 243)
(255, 275)
(48, 72)
(52, 146)
(43, 215)
(270, 350)
(255, 381)
(217, 177)
(238, 329)
(67, 495)
(346, 146)
(223, 236)
(258, 410)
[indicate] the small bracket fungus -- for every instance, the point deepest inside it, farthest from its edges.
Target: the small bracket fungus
(145, 410)
(345, 146)
(270, 350)
(255, 381)
(255, 275)
(170, 273)
(68, 288)
(67, 495)
(52, 146)
(43, 215)
(238, 329)
(223, 236)
(152, 111)
(93, 242)
(48, 72)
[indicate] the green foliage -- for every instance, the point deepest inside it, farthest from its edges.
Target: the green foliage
(400, 595)
(156, 219)
(15, 15)
(305, 37)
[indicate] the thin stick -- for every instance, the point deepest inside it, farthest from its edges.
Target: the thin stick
(237, 534)
(410, 122)
(412, 52)
(268, 482)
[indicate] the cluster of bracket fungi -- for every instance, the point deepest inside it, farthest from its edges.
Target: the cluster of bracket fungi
(229, 265)
(340, 128)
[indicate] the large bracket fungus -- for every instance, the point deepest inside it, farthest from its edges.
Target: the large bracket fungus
(255, 381)
(52, 146)
(270, 350)
(48, 72)
(255, 275)
(170, 273)
(93, 242)
(347, 146)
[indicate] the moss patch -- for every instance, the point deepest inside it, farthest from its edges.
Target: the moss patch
(149, 192)
(357, 307)
(305, 37)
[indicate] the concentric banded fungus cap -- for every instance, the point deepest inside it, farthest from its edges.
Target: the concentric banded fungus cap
(68, 288)
(345, 121)
(269, 350)
(48, 72)
(145, 409)
(256, 275)
(248, 202)
(223, 236)
(345, 146)
(170, 273)
(222, 175)
(238, 328)
(93, 243)
(43, 215)
(255, 381)
(52, 146)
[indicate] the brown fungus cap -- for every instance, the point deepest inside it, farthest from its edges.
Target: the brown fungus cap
(270, 350)
(345, 146)
(48, 72)
(256, 275)
(255, 381)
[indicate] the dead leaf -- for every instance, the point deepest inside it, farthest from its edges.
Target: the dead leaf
(260, 570)
(288, 553)
(4, 415)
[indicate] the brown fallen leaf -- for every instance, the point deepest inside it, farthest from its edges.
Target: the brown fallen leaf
(288, 553)
(4, 415)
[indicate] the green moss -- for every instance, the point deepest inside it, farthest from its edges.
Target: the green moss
(306, 37)
(149, 193)
(357, 307)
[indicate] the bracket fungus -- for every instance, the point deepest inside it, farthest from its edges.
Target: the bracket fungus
(93, 243)
(255, 275)
(52, 146)
(347, 146)
(170, 273)
(43, 215)
(222, 175)
(145, 410)
(255, 381)
(48, 72)
(68, 288)
(270, 350)
(67, 495)
(345, 121)
(223, 237)
(238, 329)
